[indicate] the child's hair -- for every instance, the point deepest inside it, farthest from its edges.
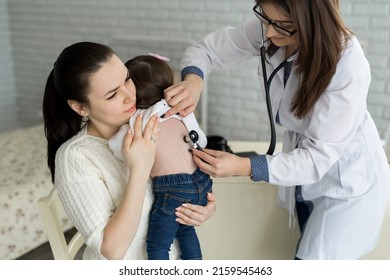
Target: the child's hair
(151, 76)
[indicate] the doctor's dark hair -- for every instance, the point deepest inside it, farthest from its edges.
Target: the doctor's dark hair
(69, 80)
(150, 76)
(322, 37)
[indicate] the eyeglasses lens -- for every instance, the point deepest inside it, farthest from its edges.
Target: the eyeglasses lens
(266, 21)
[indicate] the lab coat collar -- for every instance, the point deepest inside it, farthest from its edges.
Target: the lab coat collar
(275, 55)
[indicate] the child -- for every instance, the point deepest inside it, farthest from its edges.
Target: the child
(176, 178)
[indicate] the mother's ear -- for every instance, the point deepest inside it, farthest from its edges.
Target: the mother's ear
(78, 108)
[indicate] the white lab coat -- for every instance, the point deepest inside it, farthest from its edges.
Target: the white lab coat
(335, 153)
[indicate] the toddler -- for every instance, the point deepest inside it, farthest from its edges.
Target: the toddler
(176, 178)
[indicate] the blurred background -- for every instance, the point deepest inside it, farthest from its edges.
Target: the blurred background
(33, 33)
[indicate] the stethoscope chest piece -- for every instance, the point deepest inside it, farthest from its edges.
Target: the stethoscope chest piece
(192, 137)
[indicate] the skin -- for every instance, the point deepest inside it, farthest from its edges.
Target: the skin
(184, 97)
(276, 15)
(111, 102)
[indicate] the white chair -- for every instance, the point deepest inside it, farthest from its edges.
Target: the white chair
(51, 210)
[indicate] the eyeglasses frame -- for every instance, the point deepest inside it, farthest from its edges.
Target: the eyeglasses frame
(267, 21)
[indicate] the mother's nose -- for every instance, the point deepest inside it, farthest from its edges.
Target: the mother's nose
(129, 96)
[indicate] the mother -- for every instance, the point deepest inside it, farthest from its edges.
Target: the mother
(88, 96)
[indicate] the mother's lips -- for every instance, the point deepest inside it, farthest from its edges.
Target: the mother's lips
(131, 109)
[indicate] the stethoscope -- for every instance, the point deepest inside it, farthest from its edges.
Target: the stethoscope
(193, 137)
(267, 86)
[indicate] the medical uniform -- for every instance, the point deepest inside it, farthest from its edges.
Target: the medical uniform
(334, 154)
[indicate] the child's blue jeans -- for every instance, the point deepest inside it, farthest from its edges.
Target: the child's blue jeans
(171, 191)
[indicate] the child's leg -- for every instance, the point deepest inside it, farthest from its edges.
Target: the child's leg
(189, 243)
(162, 231)
(172, 191)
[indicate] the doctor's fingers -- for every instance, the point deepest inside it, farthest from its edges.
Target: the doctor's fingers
(181, 106)
(208, 161)
(180, 99)
(184, 108)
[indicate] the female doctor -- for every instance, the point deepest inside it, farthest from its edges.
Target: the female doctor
(333, 166)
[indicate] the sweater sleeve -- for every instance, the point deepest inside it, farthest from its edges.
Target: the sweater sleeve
(84, 195)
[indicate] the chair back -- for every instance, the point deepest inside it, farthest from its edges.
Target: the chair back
(51, 209)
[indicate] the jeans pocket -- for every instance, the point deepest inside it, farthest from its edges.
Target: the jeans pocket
(171, 202)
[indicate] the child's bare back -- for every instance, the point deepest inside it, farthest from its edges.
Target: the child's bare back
(173, 154)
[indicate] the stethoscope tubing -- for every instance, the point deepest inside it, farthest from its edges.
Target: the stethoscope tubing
(267, 87)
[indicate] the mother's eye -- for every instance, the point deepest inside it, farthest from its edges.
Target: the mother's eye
(111, 96)
(128, 76)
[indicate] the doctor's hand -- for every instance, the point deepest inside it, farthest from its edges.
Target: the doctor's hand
(183, 97)
(195, 215)
(221, 164)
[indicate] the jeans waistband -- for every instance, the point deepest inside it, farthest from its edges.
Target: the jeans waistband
(179, 178)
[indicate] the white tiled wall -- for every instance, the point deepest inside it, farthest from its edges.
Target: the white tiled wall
(41, 28)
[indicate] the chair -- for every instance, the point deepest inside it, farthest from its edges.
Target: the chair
(51, 209)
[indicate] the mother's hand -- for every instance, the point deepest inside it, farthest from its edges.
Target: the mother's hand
(195, 215)
(139, 149)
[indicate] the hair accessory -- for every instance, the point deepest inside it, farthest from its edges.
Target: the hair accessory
(163, 58)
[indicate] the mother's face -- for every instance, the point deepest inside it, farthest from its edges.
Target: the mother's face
(112, 96)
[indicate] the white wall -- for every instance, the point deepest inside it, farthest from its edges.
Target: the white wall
(8, 106)
(370, 21)
(42, 28)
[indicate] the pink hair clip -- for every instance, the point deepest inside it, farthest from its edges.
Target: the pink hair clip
(163, 58)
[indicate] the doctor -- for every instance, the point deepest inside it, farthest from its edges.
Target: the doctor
(333, 166)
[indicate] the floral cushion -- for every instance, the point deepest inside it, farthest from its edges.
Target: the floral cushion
(24, 178)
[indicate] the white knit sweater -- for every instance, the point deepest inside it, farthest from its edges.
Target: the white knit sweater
(90, 183)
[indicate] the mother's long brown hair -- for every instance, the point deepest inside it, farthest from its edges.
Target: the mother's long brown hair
(69, 80)
(322, 36)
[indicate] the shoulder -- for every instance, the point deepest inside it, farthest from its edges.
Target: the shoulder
(353, 65)
(158, 108)
(80, 152)
(79, 145)
(353, 55)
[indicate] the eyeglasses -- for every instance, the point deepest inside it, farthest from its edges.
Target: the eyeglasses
(267, 21)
